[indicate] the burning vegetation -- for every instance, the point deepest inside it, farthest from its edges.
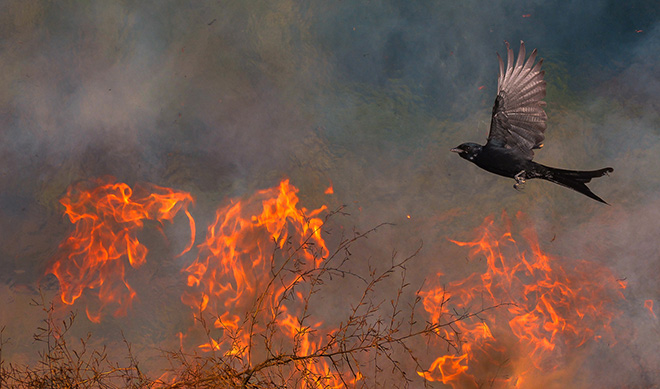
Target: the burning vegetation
(258, 317)
(550, 306)
(106, 217)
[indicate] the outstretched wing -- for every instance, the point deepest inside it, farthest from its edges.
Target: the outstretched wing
(518, 120)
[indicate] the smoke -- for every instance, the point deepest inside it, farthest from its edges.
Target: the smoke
(224, 98)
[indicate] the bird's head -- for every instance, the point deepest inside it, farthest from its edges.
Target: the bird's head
(467, 150)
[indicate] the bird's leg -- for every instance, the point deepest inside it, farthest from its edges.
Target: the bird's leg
(520, 181)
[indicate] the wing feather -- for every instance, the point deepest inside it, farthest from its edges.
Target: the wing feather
(519, 120)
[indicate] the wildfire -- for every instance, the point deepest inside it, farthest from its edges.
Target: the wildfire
(254, 274)
(236, 253)
(253, 261)
(531, 309)
(107, 217)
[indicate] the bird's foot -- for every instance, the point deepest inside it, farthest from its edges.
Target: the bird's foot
(520, 181)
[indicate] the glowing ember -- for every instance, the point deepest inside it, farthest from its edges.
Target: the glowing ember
(544, 307)
(329, 190)
(107, 217)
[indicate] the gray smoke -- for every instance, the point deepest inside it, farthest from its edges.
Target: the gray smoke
(225, 98)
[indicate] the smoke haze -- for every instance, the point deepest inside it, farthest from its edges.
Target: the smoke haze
(222, 98)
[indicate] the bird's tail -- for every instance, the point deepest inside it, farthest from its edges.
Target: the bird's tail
(575, 179)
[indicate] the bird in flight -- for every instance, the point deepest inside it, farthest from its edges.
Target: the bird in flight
(517, 128)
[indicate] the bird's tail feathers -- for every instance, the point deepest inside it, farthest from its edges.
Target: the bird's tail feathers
(576, 179)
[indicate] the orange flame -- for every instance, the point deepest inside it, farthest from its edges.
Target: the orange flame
(552, 305)
(234, 258)
(329, 190)
(450, 368)
(107, 217)
(648, 304)
(242, 263)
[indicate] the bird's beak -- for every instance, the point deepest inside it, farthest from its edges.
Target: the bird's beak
(456, 150)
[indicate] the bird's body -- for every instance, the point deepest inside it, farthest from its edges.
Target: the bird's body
(499, 160)
(517, 128)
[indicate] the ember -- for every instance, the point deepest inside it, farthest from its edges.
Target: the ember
(330, 189)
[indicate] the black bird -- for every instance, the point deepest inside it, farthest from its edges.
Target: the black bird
(517, 127)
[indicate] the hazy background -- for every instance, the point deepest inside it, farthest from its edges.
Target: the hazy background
(222, 98)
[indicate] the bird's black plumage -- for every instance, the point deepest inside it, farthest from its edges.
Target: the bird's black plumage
(517, 128)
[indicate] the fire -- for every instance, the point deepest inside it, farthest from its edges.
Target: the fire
(512, 321)
(306, 340)
(522, 313)
(107, 216)
(450, 367)
(329, 190)
(249, 276)
(235, 256)
(648, 304)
